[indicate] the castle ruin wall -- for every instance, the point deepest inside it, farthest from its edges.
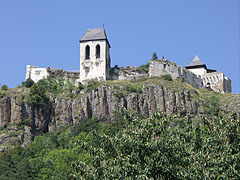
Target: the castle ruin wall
(129, 73)
(161, 67)
(218, 82)
(35, 73)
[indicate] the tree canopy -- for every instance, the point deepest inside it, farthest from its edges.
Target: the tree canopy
(132, 147)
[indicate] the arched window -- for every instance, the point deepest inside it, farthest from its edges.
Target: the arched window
(98, 51)
(87, 52)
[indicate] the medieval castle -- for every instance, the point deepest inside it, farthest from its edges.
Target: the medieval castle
(95, 64)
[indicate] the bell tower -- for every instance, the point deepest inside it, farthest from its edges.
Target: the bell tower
(94, 56)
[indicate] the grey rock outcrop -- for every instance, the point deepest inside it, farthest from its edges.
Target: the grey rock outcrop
(101, 102)
(13, 136)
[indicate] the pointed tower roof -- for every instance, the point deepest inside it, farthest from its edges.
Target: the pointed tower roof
(196, 62)
(95, 34)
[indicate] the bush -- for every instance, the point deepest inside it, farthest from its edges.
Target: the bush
(182, 79)
(27, 122)
(4, 87)
(51, 85)
(119, 94)
(85, 125)
(80, 86)
(69, 85)
(54, 86)
(214, 108)
(37, 96)
(134, 89)
(92, 85)
(28, 83)
(2, 94)
(167, 77)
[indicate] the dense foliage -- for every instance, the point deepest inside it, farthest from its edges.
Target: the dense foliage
(37, 95)
(132, 147)
(28, 83)
(4, 87)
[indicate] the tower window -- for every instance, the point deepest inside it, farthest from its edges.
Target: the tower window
(87, 52)
(98, 51)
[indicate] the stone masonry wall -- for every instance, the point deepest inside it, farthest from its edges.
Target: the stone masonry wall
(35, 73)
(217, 81)
(160, 67)
(129, 73)
(60, 73)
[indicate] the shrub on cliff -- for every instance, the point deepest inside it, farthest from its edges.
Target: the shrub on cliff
(80, 86)
(166, 77)
(2, 94)
(92, 85)
(134, 89)
(37, 96)
(28, 83)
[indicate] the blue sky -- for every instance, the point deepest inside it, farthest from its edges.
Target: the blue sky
(46, 33)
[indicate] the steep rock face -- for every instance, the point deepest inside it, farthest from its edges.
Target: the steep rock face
(14, 135)
(101, 102)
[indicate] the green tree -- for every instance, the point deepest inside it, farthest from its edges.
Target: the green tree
(37, 96)
(162, 146)
(154, 56)
(4, 87)
(214, 105)
(28, 83)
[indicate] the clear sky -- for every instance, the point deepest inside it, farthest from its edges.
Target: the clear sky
(46, 33)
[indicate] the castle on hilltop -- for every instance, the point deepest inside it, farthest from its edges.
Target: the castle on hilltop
(95, 64)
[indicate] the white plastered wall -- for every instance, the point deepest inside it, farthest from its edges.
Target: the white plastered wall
(36, 73)
(94, 68)
(198, 71)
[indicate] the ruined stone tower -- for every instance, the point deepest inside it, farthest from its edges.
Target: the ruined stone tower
(94, 55)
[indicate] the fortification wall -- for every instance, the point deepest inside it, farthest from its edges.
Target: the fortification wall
(218, 82)
(129, 73)
(60, 73)
(227, 85)
(161, 67)
(35, 73)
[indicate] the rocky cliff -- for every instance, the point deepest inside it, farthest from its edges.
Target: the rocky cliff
(101, 102)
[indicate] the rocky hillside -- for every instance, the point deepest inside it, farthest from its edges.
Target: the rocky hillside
(102, 100)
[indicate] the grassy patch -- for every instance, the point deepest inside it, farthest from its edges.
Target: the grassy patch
(166, 77)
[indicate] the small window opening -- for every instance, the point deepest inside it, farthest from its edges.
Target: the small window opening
(164, 66)
(87, 52)
(98, 51)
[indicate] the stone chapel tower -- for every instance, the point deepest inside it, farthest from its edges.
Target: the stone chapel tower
(94, 56)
